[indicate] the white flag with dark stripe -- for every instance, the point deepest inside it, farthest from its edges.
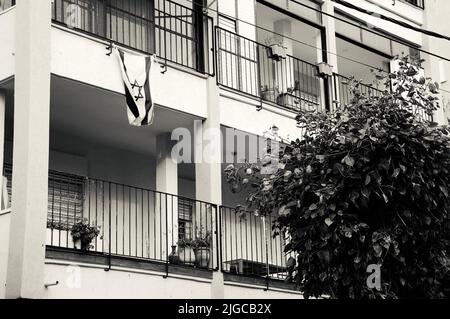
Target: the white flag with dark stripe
(135, 71)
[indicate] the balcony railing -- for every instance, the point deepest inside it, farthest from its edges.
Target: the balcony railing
(148, 226)
(417, 3)
(248, 247)
(250, 67)
(134, 223)
(170, 30)
(5, 4)
(343, 94)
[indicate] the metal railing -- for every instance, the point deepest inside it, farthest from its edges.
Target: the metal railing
(133, 222)
(253, 68)
(343, 94)
(150, 226)
(5, 4)
(248, 247)
(175, 33)
(417, 3)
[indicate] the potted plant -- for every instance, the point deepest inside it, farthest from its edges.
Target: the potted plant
(186, 253)
(275, 49)
(202, 249)
(289, 98)
(269, 94)
(83, 234)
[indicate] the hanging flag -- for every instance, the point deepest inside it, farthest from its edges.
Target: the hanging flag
(135, 71)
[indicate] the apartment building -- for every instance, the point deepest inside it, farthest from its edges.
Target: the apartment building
(241, 67)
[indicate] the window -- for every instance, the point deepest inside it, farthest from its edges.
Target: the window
(227, 23)
(185, 218)
(65, 198)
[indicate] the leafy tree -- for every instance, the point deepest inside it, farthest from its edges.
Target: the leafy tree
(366, 184)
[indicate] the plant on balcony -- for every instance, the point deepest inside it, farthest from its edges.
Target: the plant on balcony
(363, 195)
(275, 49)
(84, 233)
(186, 253)
(270, 93)
(202, 248)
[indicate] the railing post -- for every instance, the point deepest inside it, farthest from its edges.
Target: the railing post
(167, 242)
(218, 238)
(267, 253)
(199, 35)
(109, 227)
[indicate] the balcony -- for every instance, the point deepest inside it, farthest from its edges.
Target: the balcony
(142, 228)
(175, 33)
(259, 71)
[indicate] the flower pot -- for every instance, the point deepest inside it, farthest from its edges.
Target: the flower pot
(186, 255)
(83, 245)
(277, 52)
(202, 256)
(270, 95)
(289, 100)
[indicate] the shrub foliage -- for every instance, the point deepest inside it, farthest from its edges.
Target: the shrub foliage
(366, 184)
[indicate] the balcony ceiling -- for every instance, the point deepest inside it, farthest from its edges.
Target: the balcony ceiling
(83, 116)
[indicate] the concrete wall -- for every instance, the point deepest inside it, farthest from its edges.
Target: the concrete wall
(436, 68)
(399, 12)
(7, 40)
(90, 282)
(4, 244)
(243, 292)
(90, 64)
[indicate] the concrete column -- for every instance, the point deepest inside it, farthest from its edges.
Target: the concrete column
(25, 277)
(208, 170)
(167, 182)
(285, 68)
(4, 217)
(2, 148)
(330, 27)
(330, 32)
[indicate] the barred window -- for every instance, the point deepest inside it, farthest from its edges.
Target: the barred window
(185, 218)
(65, 198)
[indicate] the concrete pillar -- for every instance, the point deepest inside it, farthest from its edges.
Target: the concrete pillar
(330, 33)
(285, 68)
(208, 170)
(4, 216)
(25, 277)
(2, 147)
(167, 182)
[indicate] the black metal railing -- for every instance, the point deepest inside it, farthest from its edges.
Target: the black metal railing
(5, 4)
(248, 247)
(255, 69)
(417, 3)
(174, 32)
(133, 222)
(343, 94)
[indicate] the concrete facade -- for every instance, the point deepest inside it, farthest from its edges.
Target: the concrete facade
(62, 108)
